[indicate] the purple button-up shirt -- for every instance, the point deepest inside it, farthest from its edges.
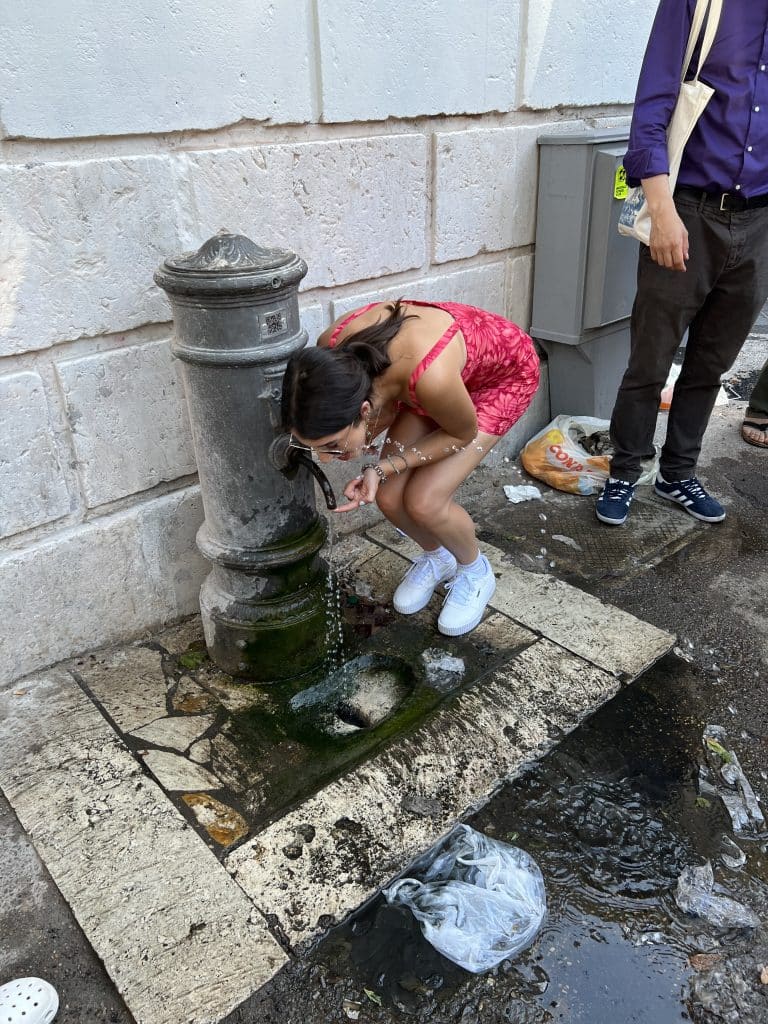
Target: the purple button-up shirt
(728, 150)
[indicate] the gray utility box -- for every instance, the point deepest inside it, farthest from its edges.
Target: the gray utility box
(585, 277)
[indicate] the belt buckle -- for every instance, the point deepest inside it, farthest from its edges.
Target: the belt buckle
(723, 197)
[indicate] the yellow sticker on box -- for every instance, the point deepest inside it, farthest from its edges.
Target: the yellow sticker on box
(620, 186)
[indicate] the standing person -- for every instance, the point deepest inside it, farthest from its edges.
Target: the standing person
(754, 429)
(706, 268)
(447, 381)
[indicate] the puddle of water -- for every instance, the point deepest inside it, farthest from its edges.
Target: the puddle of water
(272, 746)
(362, 694)
(612, 817)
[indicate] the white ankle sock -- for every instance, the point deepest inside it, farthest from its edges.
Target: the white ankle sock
(440, 556)
(477, 568)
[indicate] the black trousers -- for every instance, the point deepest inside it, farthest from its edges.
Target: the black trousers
(717, 299)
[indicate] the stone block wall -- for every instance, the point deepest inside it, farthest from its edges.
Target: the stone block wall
(392, 146)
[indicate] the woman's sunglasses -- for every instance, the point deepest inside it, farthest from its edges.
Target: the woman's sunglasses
(322, 450)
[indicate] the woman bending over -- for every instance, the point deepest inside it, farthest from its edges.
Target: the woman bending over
(445, 381)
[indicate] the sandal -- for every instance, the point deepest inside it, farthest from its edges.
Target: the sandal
(755, 425)
(28, 1001)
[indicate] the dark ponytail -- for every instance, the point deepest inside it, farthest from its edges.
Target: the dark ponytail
(323, 388)
(370, 344)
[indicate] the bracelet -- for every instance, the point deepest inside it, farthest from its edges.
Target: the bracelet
(398, 455)
(377, 469)
(395, 470)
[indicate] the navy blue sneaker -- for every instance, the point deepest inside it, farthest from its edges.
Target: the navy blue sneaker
(613, 504)
(692, 496)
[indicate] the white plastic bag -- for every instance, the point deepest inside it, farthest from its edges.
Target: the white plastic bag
(557, 456)
(481, 900)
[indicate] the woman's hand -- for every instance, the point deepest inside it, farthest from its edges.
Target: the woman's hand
(360, 491)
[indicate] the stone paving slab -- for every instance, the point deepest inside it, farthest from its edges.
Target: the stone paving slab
(600, 633)
(604, 635)
(384, 570)
(361, 830)
(179, 938)
(129, 685)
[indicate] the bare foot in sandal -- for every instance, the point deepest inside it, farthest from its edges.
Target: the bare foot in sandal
(754, 430)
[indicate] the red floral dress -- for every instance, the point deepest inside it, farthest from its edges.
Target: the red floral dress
(501, 373)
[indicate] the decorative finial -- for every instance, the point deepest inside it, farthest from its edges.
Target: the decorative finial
(228, 252)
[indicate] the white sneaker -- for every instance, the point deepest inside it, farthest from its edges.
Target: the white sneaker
(28, 1001)
(467, 598)
(419, 583)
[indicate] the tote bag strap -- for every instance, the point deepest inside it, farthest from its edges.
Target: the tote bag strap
(711, 11)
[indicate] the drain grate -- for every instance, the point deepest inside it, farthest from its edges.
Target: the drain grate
(554, 530)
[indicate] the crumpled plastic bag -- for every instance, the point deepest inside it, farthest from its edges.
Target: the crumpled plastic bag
(481, 901)
(695, 894)
(573, 454)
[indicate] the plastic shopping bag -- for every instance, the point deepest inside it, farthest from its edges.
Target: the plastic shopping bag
(573, 454)
(481, 901)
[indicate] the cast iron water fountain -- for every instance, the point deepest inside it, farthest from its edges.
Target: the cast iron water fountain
(236, 324)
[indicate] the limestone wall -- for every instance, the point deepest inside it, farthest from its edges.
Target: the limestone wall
(392, 145)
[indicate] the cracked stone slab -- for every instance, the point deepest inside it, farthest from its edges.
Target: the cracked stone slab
(190, 698)
(349, 551)
(176, 733)
(328, 855)
(129, 684)
(178, 774)
(610, 638)
(180, 637)
(177, 936)
(384, 569)
(200, 752)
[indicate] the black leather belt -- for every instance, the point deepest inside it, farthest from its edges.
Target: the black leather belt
(724, 201)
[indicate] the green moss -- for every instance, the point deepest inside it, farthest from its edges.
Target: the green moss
(701, 801)
(296, 754)
(193, 659)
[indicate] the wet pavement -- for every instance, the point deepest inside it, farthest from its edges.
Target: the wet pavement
(613, 815)
(612, 818)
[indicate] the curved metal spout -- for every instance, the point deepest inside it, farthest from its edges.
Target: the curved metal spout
(288, 459)
(317, 473)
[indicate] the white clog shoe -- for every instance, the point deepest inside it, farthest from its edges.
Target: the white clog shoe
(28, 1001)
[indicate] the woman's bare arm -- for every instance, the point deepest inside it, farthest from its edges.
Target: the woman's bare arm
(443, 396)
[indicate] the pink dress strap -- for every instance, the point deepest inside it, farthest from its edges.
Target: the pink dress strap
(348, 319)
(429, 358)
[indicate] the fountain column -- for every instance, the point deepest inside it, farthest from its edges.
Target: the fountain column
(236, 323)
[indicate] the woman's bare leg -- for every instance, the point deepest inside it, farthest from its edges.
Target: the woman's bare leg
(403, 435)
(420, 500)
(428, 500)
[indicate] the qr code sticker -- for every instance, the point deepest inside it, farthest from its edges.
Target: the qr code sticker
(272, 324)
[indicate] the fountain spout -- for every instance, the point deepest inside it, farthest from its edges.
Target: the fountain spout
(318, 474)
(288, 459)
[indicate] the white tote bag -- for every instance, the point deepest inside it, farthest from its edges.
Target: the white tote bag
(634, 219)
